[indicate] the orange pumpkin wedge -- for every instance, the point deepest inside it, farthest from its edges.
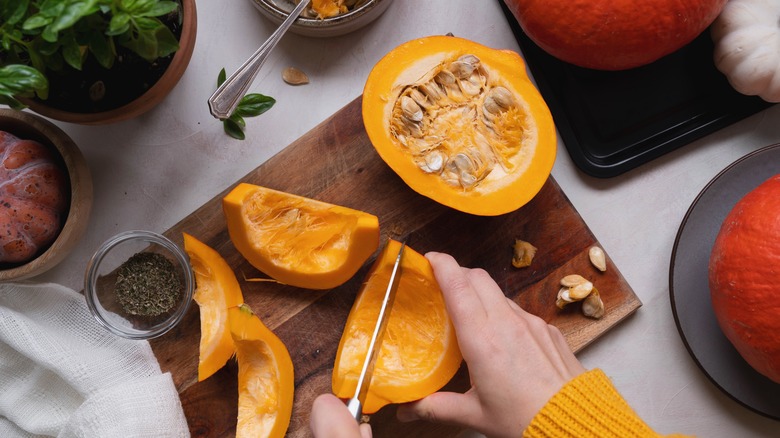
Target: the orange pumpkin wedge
(216, 290)
(460, 123)
(419, 352)
(265, 377)
(299, 241)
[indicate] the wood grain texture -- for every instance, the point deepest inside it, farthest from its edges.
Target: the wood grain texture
(336, 163)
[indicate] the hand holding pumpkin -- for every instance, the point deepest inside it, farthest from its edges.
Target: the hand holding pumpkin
(516, 361)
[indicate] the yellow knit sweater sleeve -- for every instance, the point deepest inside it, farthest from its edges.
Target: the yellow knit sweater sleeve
(588, 406)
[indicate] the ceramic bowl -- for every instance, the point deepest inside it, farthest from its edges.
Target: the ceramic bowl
(32, 127)
(102, 279)
(365, 12)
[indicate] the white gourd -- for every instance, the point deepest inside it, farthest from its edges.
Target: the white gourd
(747, 46)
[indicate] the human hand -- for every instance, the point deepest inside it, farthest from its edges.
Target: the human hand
(516, 360)
(330, 418)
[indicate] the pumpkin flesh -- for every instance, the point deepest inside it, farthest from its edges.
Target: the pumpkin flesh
(743, 272)
(265, 377)
(217, 289)
(296, 240)
(419, 352)
(460, 123)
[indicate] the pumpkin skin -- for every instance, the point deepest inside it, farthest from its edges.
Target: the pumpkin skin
(492, 196)
(613, 34)
(743, 270)
(747, 47)
(34, 192)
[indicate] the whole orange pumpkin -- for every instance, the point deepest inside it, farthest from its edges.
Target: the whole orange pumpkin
(743, 271)
(613, 34)
(33, 198)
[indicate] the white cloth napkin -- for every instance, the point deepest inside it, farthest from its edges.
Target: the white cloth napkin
(63, 375)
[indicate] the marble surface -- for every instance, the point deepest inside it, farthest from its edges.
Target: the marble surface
(152, 171)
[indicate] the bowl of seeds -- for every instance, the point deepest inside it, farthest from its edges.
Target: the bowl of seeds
(139, 284)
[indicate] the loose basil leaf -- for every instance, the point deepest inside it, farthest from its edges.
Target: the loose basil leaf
(221, 77)
(254, 104)
(233, 129)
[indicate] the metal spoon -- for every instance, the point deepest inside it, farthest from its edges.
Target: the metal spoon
(226, 98)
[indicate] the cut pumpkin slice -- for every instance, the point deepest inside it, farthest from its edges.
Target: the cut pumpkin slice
(419, 352)
(265, 377)
(216, 290)
(296, 240)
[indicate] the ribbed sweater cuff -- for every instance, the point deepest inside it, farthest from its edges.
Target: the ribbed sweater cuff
(588, 406)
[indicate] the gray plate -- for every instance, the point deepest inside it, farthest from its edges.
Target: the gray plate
(689, 290)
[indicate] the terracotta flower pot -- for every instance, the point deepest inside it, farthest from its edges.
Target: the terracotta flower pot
(151, 97)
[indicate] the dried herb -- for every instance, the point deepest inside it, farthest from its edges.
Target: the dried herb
(147, 285)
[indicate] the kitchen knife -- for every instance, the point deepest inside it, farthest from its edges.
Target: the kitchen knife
(355, 404)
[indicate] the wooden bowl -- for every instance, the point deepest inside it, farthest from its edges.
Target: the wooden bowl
(30, 126)
(152, 97)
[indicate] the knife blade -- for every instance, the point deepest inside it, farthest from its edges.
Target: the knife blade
(355, 404)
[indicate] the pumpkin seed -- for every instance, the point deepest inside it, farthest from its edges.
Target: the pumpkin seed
(593, 306)
(464, 116)
(294, 76)
(598, 258)
(524, 254)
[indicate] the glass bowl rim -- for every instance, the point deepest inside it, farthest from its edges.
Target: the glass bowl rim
(90, 283)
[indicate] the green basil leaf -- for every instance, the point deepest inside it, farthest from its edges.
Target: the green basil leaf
(101, 48)
(119, 24)
(233, 129)
(238, 120)
(12, 11)
(69, 16)
(46, 48)
(49, 34)
(161, 8)
(52, 8)
(166, 42)
(36, 21)
(254, 104)
(144, 45)
(147, 24)
(221, 77)
(72, 52)
(11, 102)
(17, 79)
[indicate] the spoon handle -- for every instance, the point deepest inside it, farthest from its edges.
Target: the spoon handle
(224, 101)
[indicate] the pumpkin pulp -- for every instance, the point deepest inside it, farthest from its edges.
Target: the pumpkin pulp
(743, 270)
(265, 377)
(419, 352)
(296, 240)
(217, 289)
(460, 123)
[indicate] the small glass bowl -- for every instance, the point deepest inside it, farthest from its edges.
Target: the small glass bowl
(100, 284)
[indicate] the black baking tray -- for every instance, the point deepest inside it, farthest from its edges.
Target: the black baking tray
(614, 121)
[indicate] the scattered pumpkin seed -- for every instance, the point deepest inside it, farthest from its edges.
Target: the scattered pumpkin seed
(593, 306)
(598, 258)
(294, 76)
(524, 254)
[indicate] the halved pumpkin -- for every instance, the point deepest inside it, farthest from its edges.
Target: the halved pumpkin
(216, 290)
(460, 123)
(419, 352)
(296, 240)
(265, 377)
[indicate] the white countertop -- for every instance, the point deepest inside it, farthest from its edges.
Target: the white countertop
(151, 172)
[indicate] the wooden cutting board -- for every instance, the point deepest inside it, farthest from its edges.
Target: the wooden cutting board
(336, 163)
